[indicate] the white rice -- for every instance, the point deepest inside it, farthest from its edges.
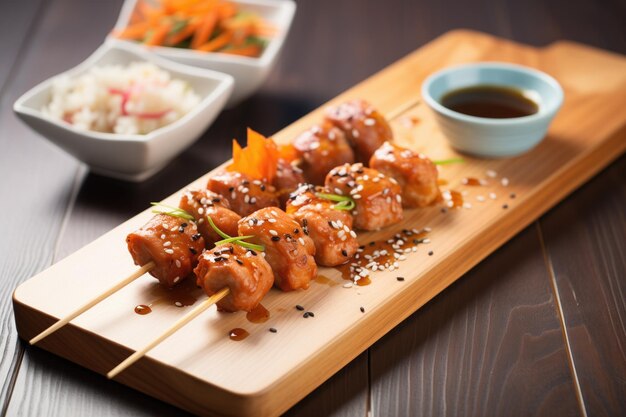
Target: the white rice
(94, 100)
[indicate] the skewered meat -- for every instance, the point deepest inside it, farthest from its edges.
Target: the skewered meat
(244, 194)
(329, 228)
(377, 196)
(288, 177)
(365, 128)
(172, 243)
(203, 203)
(415, 173)
(287, 248)
(245, 272)
(320, 149)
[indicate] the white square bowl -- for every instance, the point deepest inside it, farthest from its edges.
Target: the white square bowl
(248, 72)
(129, 157)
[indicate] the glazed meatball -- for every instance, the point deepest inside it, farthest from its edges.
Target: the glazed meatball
(288, 249)
(365, 128)
(244, 195)
(288, 177)
(203, 203)
(329, 228)
(172, 243)
(415, 173)
(320, 149)
(246, 273)
(377, 196)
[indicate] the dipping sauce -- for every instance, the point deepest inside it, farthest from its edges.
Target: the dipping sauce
(143, 309)
(260, 314)
(490, 101)
(238, 334)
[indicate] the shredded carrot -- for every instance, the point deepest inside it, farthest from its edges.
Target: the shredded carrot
(250, 50)
(218, 42)
(204, 31)
(203, 25)
(258, 159)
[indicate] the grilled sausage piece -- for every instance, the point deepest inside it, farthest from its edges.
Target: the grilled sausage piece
(365, 128)
(203, 203)
(320, 149)
(288, 249)
(415, 173)
(288, 177)
(245, 272)
(329, 228)
(377, 196)
(244, 194)
(172, 243)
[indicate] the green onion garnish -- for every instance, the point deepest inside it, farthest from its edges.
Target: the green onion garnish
(449, 161)
(171, 211)
(237, 240)
(343, 201)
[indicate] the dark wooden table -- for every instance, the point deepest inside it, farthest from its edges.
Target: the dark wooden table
(537, 328)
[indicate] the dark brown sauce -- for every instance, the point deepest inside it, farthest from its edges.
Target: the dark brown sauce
(184, 294)
(259, 314)
(491, 101)
(471, 181)
(380, 251)
(324, 280)
(143, 309)
(238, 334)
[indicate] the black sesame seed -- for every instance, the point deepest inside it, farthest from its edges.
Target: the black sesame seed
(344, 252)
(362, 309)
(430, 253)
(372, 243)
(306, 315)
(505, 206)
(444, 210)
(196, 236)
(362, 247)
(252, 252)
(218, 259)
(192, 250)
(231, 189)
(273, 330)
(330, 223)
(296, 231)
(299, 307)
(216, 200)
(400, 278)
(310, 313)
(512, 195)
(262, 187)
(304, 222)
(239, 261)
(275, 238)
(231, 249)
(184, 225)
(245, 182)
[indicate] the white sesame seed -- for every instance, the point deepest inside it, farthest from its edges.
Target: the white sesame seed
(492, 196)
(176, 280)
(246, 198)
(233, 195)
(201, 221)
(356, 196)
(169, 251)
(399, 198)
(347, 285)
(467, 205)
(491, 173)
(200, 211)
(174, 228)
(163, 236)
(178, 304)
(353, 234)
(273, 232)
(178, 263)
(168, 243)
(480, 198)
(355, 133)
(505, 182)
(369, 122)
(314, 145)
(426, 229)
(427, 240)
(271, 220)
(301, 240)
(253, 200)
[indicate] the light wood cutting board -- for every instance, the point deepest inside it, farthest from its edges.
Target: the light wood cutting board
(201, 370)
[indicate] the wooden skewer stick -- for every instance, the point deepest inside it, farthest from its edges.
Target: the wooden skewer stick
(402, 109)
(56, 326)
(180, 323)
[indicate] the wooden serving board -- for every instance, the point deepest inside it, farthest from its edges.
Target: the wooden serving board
(201, 370)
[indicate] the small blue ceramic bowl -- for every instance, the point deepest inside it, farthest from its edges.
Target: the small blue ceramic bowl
(486, 136)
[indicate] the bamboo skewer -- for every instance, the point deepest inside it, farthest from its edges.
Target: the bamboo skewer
(121, 284)
(180, 323)
(399, 111)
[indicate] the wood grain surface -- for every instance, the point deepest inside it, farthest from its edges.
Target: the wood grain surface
(299, 83)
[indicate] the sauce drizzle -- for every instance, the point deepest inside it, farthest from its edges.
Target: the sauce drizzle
(238, 334)
(259, 314)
